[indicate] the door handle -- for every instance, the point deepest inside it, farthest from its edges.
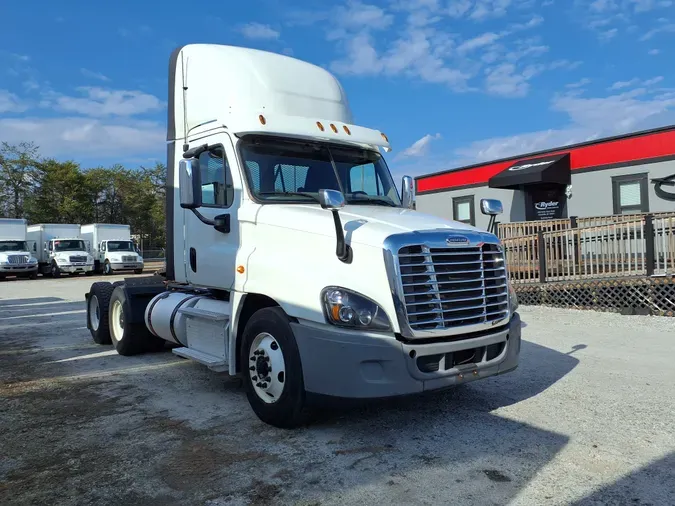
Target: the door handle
(193, 259)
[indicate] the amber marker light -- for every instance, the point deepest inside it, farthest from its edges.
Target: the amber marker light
(333, 128)
(318, 123)
(262, 119)
(384, 136)
(240, 269)
(347, 130)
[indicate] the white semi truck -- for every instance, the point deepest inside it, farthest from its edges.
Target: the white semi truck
(60, 249)
(15, 256)
(292, 260)
(112, 248)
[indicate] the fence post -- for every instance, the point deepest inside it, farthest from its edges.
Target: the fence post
(650, 251)
(541, 246)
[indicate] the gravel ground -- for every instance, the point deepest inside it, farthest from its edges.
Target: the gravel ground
(588, 418)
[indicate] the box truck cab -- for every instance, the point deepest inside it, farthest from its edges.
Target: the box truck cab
(60, 249)
(15, 256)
(112, 248)
(292, 259)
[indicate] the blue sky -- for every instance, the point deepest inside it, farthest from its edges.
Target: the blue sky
(450, 81)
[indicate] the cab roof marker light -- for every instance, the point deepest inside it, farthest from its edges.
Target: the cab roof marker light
(318, 123)
(333, 128)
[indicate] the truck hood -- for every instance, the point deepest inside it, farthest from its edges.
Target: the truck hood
(5, 254)
(369, 225)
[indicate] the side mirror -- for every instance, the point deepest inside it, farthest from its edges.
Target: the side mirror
(407, 192)
(331, 199)
(491, 207)
(190, 184)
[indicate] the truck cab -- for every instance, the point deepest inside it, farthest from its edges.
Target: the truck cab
(60, 249)
(112, 248)
(15, 256)
(292, 259)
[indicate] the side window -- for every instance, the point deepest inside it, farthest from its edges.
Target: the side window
(364, 178)
(216, 179)
(630, 194)
(463, 210)
(290, 178)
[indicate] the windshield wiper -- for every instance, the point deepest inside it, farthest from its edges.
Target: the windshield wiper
(292, 194)
(379, 202)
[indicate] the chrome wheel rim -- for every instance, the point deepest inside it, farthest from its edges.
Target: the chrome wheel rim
(117, 320)
(267, 368)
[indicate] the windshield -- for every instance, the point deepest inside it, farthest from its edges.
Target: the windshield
(13, 246)
(73, 245)
(283, 170)
(120, 246)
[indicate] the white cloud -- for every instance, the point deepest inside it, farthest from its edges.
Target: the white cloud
(420, 147)
(104, 102)
(579, 84)
(422, 49)
(664, 28)
(505, 81)
(9, 102)
(94, 75)
(75, 137)
(259, 31)
(608, 35)
(619, 85)
(654, 52)
(589, 118)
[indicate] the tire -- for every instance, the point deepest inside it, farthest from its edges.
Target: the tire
(107, 270)
(99, 299)
(55, 271)
(33, 275)
(128, 338)
(269, 328)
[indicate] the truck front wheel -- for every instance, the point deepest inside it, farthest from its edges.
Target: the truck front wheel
(55, 271)
(271, 369)
(107, 269)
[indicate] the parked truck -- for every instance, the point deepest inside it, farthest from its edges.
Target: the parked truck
(15, 256)
(60, 249)
(292, 259)
(112, 248)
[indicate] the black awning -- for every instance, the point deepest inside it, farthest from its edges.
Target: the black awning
(543, 169)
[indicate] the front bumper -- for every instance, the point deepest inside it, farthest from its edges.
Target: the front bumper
(348, 365)
(76, 268)
(18, 269)
(126, 266)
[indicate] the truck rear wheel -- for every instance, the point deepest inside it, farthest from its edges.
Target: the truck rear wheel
(97, 312)
(271, 369)
(127, 337)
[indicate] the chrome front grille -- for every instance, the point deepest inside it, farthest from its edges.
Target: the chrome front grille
(454, 287)
(17, 259)
(128, 259)
(78, 259)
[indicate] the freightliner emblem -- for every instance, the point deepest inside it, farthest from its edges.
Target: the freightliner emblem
(457, 239)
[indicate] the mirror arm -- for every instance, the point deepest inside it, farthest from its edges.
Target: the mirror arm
(342, 249)
(203, 218)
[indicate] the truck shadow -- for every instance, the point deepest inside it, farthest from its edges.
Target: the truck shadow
(540, 368)
(651, 484)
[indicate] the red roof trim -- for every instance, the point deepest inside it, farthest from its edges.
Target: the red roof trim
(652, 144)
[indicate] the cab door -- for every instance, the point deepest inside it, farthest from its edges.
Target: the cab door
(210, 254)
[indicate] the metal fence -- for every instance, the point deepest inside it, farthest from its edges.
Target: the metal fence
(643, 246)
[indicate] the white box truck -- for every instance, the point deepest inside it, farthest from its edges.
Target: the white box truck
(15, 256)
(60, 249)
(112, 248)
(292, 259)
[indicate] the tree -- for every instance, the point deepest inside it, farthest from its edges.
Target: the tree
(17, 176)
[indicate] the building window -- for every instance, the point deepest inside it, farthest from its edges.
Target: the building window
(463, 209)
(630, 194)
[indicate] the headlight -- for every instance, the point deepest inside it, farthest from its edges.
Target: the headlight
(32, 260)
(60, 260)
(513, 298)
(345, 308)
(3, 261)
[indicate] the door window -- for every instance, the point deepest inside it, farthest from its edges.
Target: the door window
(216, 178)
